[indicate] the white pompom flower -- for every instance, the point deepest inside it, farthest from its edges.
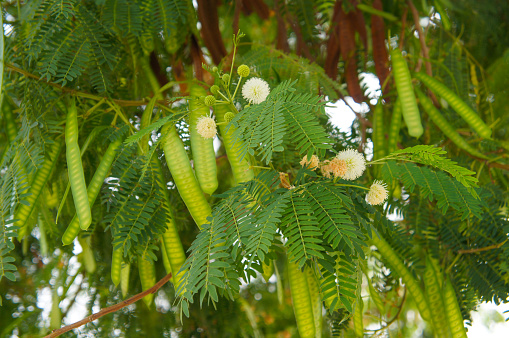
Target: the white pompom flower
(206, 127)
(255, 90)
(355, 164)
(377, 193)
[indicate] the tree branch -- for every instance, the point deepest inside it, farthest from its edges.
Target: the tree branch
(124, 103)
(424, 48)
(487, 248)
(422, 39)
(110, 309)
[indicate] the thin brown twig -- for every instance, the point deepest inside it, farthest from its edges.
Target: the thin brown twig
(236, 15)
(110, 309)
(301, 44)
(424, 48)
(124, 103)
(422, 38)
(403, 26)
(491, 247)
(358, 115)
(390, 322)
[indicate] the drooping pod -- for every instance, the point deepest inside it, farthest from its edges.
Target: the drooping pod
(445, 126)
(406, 94)
(378, 131)
(204, 156)
(170, 239)
(37, 184)
(453, 311)
(433, 292)
(10, 123)
(375, 297)
(358, 326)
(94, 187)
(124, 278)
(316, 299)
(172, 251)
(394, 128)
(463, 109)
(75, 168)
(301, 299)
(166, 260)
(116, 265)
(182, 173)
(87, 255)
(147, 273)
(267, 271)
(240, 168)
(394, 262)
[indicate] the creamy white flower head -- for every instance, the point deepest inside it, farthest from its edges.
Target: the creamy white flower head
(355, 163)
(206, 127)
(377, 193)
(255, 90)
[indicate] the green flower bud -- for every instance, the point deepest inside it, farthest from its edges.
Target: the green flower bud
(214, 69)
(210, 100)
(229, 116)
(214, 89)
(243, 71)
(226, 78)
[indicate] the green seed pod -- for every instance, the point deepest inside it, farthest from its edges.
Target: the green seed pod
(240, 168)
(243, 71)
(147, 272)
(124, 278)
(268, 271)
(302, 303)
(409, 108)
(209, 100)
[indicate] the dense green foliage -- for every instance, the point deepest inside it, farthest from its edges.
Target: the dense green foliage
(405, 212)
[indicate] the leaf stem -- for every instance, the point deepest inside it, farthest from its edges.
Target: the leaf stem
(351, 185)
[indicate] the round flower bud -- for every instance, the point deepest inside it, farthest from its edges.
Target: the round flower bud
(229, 116)
(210, 100)
(243, 71)
(206, 127)
(226, 78)
(214, 89)
(214, 69)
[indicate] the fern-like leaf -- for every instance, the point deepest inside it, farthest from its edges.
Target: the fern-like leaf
(339, 282)
(431, 155)
(446, 191)
(263, 127)
(299, 227)
(329, 204)
(263, 235)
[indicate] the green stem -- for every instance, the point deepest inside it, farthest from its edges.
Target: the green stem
(236, 88)
(145, 66)
(224, 97)
(351, 185)
(394, 262)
